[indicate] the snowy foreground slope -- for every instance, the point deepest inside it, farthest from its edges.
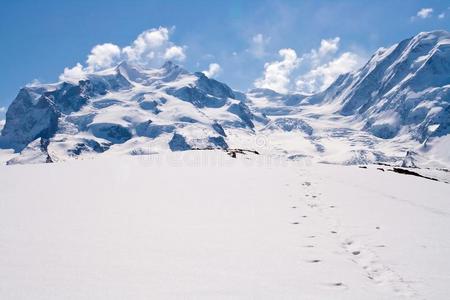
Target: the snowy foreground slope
(202, 225)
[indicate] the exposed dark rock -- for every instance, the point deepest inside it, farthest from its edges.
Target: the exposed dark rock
(218, 142)
(408, 172)
(178, 143)
(114, 133)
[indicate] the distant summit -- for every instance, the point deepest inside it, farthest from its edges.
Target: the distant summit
(402, 89)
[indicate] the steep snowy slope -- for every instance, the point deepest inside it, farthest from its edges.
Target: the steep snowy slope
(404, 89)
(160, 227)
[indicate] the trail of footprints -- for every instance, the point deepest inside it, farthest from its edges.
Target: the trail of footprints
(374, 269)
(313, 205)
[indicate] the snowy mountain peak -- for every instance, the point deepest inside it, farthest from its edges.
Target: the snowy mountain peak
(432, 36)
(169, 65)
(403, 89)
(131, 73)
(124, 109)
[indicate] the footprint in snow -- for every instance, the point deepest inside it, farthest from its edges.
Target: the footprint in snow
(336, 285)
(376, 270)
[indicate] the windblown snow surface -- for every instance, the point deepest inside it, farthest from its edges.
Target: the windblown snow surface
(202, 225)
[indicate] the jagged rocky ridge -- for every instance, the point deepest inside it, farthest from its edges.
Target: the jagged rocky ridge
(401, 89)
(395, 106)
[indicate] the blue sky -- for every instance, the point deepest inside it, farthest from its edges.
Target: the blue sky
(241, 39)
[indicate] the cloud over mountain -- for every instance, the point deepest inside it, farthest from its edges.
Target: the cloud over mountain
(319, 68)
(213, 70)
(277, 73)
(149, 49)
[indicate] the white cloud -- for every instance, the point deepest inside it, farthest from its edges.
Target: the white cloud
(322, 76)
(277, 73)
(327, 48)
(149, 46)
(213, 70)
(175, 53)
(73, 74)
(424, 13)
(441, 16)
(319, 68)
(150, 49)
(34, 82)
(258, 45)
(103, 56)
(324, 66)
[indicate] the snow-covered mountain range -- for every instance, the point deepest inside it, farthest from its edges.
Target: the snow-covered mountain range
(395, 109)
